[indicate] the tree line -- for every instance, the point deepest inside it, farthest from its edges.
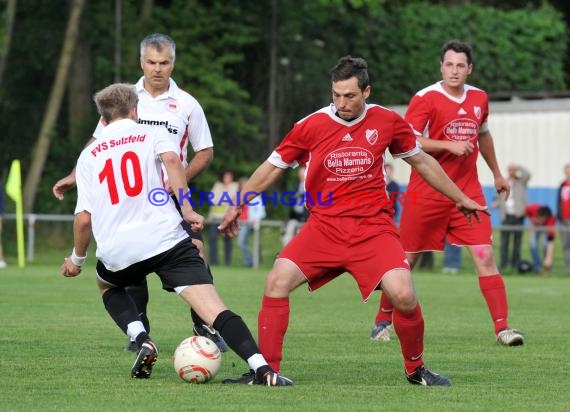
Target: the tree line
(256, 66)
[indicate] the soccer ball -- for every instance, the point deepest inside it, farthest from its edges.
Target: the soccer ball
(197, 359)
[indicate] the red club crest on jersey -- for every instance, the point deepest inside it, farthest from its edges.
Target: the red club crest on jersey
(349, 161)
(371, 136)
(172, 106)
(477, 111)
(461, 130)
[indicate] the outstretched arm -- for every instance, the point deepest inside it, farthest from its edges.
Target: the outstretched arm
(432, 173)
(263, 177)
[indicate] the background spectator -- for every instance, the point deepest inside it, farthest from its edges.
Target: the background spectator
(224, 191)
(513, 214)
(564, 215)
(298, 213)
(451, 258)
(251, 215)
(393, 189)
(540, 215)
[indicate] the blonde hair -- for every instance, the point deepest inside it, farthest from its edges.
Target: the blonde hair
(116, 101)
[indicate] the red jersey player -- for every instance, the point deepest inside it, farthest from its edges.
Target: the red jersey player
(346, 195)
(450, 121)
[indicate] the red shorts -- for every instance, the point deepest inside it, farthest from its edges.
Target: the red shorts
(366, 248)
(425, 225)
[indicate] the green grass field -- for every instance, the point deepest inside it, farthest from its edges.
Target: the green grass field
(61, 352)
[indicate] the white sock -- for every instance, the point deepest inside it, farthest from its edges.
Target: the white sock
(134, 328)
(256, 361)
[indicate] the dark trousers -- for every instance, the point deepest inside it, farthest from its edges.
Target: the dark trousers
(213, 236)
(506, 236)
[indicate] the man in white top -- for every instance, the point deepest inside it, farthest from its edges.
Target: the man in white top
(116, 175)
(163, 105)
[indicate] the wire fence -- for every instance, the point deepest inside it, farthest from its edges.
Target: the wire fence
(32, 219)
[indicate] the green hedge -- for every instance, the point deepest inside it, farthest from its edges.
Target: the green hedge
(516, 50)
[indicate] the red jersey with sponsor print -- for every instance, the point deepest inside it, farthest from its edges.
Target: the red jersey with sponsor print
(345, 168)
(435, 114)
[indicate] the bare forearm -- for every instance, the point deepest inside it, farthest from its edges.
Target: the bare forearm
(549, 254)
(176, 178)
(487, 149)
(431, 145)
(82, 233)
(430, 170)
(199, 163)
(263, 177)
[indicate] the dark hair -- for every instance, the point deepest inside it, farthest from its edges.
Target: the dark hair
(224, 173)
(458, 47)
(348, 67)
(544, 211)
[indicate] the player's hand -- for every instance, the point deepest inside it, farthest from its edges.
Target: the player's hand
(502, 185)
(471, 208)
(63, 185)
(229, 225)
(196, 220)
(461, 148)
(68, 269)
(547, 265)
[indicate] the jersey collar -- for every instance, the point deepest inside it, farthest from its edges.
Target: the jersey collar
(332, 113)
(439, 87)
(173, 91)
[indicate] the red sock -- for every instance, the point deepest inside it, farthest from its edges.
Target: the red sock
(385, 310)
(493, 290)
(272, 324)
(410, 330)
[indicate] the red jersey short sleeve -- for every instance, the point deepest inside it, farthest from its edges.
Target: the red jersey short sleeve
(345, 167)
(434, 114)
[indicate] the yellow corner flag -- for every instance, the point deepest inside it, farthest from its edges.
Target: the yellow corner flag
(14, 192)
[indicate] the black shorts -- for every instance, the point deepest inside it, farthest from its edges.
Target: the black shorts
(185, 225)
(194, 235)
(179, 266)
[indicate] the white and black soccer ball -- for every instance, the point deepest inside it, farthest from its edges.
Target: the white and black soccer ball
(197, 359)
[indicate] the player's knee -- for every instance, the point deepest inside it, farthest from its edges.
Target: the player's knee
(279, 285)
(404, 300)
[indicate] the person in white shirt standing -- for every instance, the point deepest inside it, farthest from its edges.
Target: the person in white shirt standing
(117, 176)
(163, 105)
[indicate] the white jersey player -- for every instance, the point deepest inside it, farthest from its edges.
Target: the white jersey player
(163, 105)
(115, 176)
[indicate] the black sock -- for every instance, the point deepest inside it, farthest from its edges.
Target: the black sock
(120, 307)
(139, 295)
(196, 319)
(236, 334)
(141, 337)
